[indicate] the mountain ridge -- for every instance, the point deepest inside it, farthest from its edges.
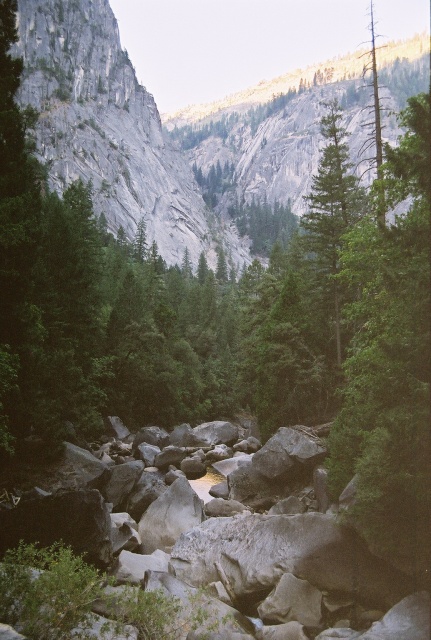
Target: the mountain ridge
(345, 66)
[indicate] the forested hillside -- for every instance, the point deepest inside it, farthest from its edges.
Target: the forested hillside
(337, 326)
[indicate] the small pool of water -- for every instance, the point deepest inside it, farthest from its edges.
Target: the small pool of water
(202, 485)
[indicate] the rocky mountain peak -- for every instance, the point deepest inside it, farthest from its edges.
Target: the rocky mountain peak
(97, 123)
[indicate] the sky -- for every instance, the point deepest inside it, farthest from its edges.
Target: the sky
(192, 51)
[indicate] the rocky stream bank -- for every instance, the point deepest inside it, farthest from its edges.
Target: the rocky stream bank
(267, 555)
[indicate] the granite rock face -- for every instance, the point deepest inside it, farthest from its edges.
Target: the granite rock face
(98, 123)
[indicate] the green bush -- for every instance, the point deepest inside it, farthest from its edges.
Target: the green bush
(49, 594)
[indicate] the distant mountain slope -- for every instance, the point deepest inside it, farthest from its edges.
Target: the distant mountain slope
(97, 123)
(271, 141)
(345, 67)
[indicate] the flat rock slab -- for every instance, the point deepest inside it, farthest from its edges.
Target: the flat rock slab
(254, 551)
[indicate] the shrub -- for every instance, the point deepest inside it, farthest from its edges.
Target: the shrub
(49, 593)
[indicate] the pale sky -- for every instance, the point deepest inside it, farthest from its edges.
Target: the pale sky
(192, 51)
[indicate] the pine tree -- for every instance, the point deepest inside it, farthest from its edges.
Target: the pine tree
(335, 204)
(139, 252)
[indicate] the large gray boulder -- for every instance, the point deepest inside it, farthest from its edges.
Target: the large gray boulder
(151, 435)
(249, 486)
(289, 506)
(115, 427)
(217, 432)
(193, 467)
(226, 467)
(83, 468)
(407, 620)
(80, 518)
(220, 508)
(254, 551)
(147, 453)
(170, 455)
(292, 599)
(122, 482)
(131, 567)
(178, 510)
(183, 436)
(219, 452)
(290, 449)
(219, 490)
(149, 487)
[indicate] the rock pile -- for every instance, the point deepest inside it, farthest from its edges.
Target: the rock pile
(268, 549)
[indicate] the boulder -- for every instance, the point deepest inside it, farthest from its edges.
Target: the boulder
(250, 445)
(223, 508)
(225, 467)
(249, 486)
(151, 435)
(173, 474)
(292, 599)
(178, 510)
(147, 453)
(217, 432)
(193, 468)
(287, 631)
(320, 485)
(9, 633)
(80, 518)
(123, 479)
(253, 551)
(116, 428)
(408, 619)
(149, 487)
(220, 490)
(132, 566)
(219, 452)
(83, 468)
(183, 436)
(289, 506)
(290, 450)
(170, 455)
(124, 532)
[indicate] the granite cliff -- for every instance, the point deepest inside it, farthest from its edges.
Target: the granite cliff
(97, 123)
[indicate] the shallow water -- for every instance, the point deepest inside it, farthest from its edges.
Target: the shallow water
(202, 485)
